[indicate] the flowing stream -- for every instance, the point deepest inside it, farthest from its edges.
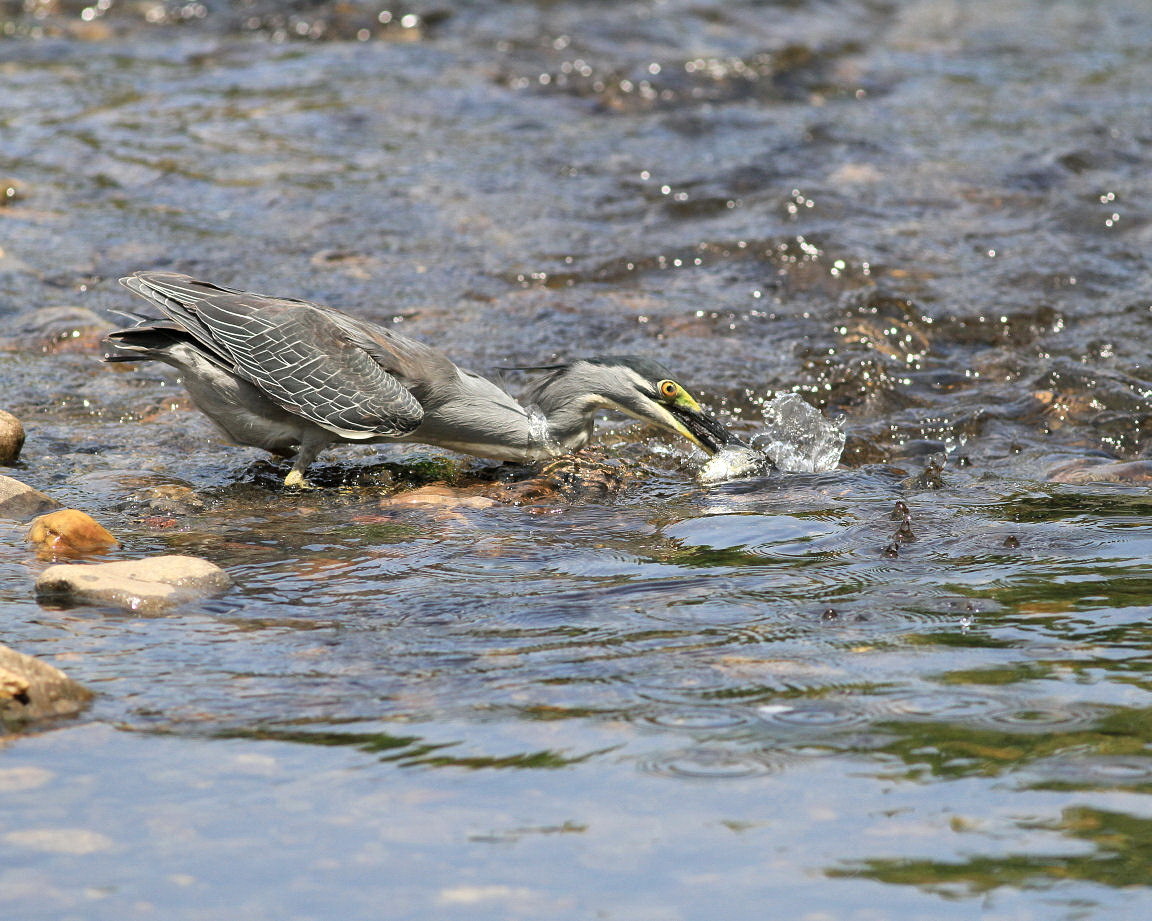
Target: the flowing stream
(914, 686)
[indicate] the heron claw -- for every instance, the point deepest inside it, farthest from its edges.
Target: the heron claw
(296, 479)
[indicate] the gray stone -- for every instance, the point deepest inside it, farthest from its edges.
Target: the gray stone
(32, 690)
(20, 501)
(146, 586)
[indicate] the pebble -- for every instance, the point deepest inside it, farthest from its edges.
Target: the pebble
(146, 586)
(69, 533)
(32, 690)
(11, 438)
(21, 502)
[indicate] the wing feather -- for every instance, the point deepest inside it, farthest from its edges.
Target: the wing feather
(293, 351)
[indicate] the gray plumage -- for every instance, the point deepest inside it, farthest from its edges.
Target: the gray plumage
(293, 377)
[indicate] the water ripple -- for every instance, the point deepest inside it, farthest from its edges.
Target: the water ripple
(701, 718)
(817, 714)
(716, 763)
(1080, 771)
(990, 711)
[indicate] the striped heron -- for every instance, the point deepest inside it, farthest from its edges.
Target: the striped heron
(293, 377)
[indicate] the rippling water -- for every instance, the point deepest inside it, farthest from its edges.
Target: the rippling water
(774, 697)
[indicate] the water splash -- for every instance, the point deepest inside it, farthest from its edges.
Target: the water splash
(541, 444)
(796, 439)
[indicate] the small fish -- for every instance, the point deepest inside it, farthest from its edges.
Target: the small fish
(733, 462)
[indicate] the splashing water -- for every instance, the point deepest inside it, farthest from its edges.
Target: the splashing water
(796, 439)
(540, 441)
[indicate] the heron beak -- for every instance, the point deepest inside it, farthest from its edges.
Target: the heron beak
(700, 428)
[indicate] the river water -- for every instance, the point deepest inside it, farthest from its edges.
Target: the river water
(767, 698)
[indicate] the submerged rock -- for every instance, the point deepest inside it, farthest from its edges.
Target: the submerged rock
(437, 497)
(931, 477)
(168, 499)
(11, 438)
(33, 690)
(20, 501)
(146, 586)
(585, 475)
(69, 532)
(54, 329)
(1089, 471)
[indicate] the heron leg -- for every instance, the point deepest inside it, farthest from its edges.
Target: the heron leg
(310, 449)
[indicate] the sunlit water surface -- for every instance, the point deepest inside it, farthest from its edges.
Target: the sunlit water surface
(768, 698)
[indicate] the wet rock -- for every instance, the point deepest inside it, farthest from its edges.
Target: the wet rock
(11, 439)
(931, 477)
(69, 533)
(146, 586)
(20, 501)
(54, 329)
(33, 690)
(860, 450)
(573, 477)
(445, 497)
(904, 534)
(918, 448)
(1089, 471)
(171, 499)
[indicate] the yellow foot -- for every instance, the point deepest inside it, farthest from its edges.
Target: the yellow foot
(296, 479)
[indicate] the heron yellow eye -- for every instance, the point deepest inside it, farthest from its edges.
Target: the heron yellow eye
(669, 390)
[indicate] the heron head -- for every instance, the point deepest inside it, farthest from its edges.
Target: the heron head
(647, 391)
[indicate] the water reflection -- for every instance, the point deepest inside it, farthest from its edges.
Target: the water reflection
(1106, 846)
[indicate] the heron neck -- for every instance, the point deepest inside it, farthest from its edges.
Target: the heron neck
(570, 420)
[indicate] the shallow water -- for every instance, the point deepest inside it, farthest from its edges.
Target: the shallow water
(774, 696)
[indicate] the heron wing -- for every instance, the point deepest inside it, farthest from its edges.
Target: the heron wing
(293, 351)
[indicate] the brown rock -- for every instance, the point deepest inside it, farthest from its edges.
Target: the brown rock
(11, 439)
(32, 690)
(437, 497)
(21, 502)
(69, 533)
(147, 586)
